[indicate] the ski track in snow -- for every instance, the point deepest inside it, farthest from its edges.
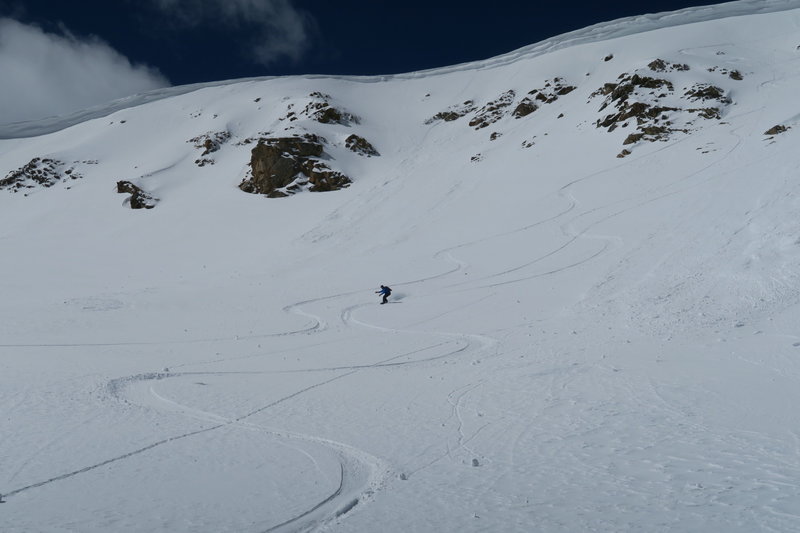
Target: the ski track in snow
(573, 235)
(362, 475)
(311, 328)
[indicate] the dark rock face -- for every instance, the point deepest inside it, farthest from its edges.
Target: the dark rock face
(39, 172)
(139, 199)
(283, 166)
(360, 145)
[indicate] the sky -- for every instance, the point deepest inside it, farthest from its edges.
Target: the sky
(59, 57)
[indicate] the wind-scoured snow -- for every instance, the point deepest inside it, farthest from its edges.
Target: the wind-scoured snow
(588, 330)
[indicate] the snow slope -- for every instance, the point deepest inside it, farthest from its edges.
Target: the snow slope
(580, 339)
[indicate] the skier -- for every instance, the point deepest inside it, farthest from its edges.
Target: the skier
(385, 291)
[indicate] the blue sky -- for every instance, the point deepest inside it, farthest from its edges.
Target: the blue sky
(96, 50)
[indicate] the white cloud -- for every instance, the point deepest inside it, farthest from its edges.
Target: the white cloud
(45, 74)
(275, 28)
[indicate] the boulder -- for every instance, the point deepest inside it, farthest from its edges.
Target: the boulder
(360, 145)
(139, 198)
(775, 130)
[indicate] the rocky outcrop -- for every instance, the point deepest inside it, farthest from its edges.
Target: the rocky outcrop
(139, 199)
(493, 111)
(504, 105)
(453, 112)
(548, 94)
(623, 89)
(705, 91)
(732, 74)
(39, 172)
(209, 142)
(651, 104)
(524, 108)
(659, 65)
(552, 90)
(320, 109)
(283, 166)
(776, 130)
(360, 146)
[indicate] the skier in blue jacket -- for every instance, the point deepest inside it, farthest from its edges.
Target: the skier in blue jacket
(385, 291)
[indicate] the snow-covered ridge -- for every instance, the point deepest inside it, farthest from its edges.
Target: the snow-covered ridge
(596, 33)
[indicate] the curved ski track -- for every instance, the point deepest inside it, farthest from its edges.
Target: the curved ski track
(361, 474)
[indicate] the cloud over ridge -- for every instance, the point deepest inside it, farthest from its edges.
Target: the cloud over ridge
(46, 74)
